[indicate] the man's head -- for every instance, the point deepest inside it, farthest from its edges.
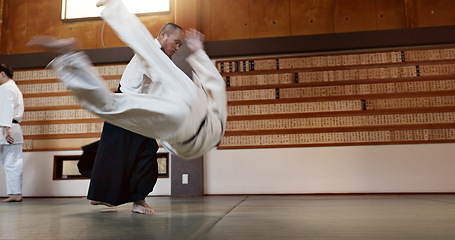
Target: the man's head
(170, 38)
(6, 73)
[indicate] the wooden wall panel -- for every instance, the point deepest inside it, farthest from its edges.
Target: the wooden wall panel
(204, 19)
(85, 33)
(269, 18)
(154, 23)
(106, 38)
(229, 19)
(435, 12)
(46, 17)
(2, 17)
(29, 18)
(390, 14)
(16, 26)
(311, 17)
(354, 15)
(410, 12)
(186, 13)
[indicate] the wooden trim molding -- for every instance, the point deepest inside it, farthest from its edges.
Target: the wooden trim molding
(268, 46)
(333, 42)
(41, 60)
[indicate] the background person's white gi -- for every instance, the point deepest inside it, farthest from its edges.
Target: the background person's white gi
(11, 107)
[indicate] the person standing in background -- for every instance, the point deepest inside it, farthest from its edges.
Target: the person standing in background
(11, 112)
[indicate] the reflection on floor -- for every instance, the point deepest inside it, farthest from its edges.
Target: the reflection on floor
(407, 216)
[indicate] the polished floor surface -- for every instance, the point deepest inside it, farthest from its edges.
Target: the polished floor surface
(407, 216)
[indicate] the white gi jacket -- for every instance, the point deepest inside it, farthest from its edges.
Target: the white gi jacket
(134, 78)
(188, 117)
(11, 107)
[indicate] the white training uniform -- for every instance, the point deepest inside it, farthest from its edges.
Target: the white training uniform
(11, 108)
(188, 119)
(134, 78)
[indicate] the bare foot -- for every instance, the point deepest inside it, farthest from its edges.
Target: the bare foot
(14, 198)
(101, 3)
(61, 46)
(101, 203)
(142, 208)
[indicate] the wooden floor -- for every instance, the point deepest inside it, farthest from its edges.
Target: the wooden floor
(425, 216)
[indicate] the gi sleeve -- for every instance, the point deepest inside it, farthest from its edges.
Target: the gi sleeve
(210, 79)
(6, 106)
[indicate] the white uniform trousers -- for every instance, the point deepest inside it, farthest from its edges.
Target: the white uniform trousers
(11, 158)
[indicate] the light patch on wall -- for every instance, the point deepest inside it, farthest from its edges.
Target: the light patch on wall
(69, 168)
(75, 9)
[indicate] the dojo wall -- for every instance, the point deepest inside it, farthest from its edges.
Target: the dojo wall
(352, 169)
(309, 170)
(360, 169)
(228, 19)
(38, 174)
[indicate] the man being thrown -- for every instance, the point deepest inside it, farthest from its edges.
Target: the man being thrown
(187, 116)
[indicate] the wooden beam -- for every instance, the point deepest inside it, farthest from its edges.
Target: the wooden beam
(268, 46)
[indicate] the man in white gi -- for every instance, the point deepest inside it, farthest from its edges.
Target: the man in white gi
(122, 165)
(11, 111)
(188, 117)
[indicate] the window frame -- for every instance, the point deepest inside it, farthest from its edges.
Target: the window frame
(64, 12)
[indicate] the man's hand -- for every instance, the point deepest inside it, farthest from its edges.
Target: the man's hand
(194, 40)
(7, 133)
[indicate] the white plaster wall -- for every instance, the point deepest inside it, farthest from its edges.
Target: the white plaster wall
(38, 182)
(356, 169)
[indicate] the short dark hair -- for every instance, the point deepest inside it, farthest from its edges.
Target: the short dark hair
(170, 28)
(7, 70)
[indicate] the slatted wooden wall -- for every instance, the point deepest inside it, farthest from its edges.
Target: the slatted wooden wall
(380, 97)
(53, 118)
(397, 96)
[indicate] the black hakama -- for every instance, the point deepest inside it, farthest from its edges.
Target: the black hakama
(125, 168)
